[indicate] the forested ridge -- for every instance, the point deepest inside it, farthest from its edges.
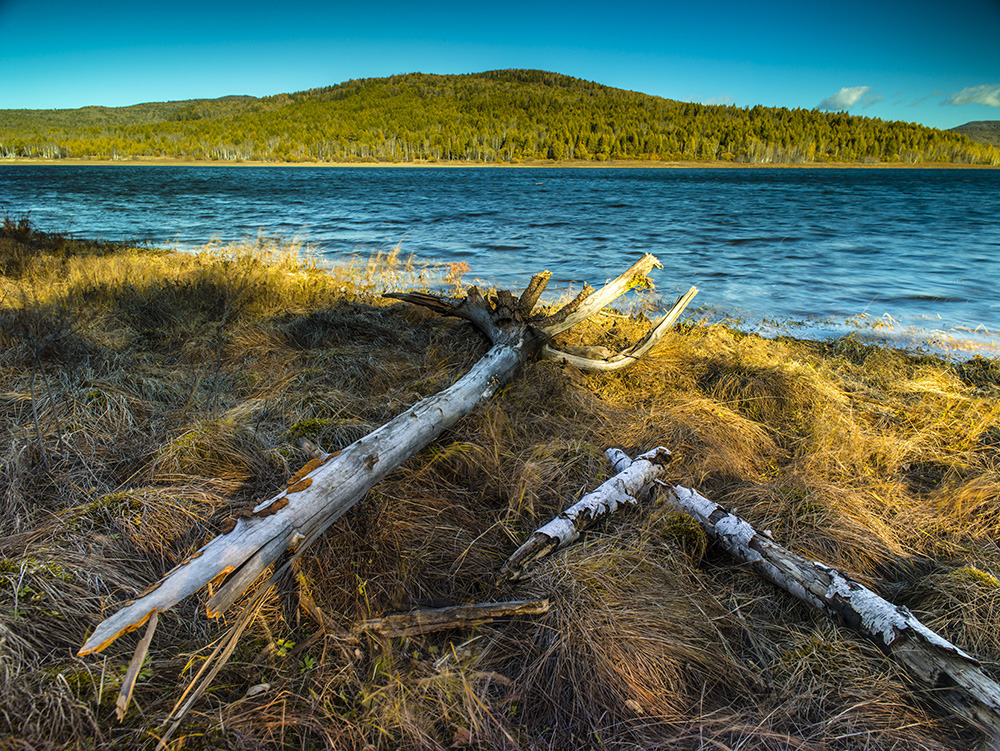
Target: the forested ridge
(982, 131)
(502, 116)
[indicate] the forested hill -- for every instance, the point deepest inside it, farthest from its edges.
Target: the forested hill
(497, 116)
(983, 131)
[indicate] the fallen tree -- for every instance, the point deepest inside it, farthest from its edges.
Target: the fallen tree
(330, 484)
(955, 679)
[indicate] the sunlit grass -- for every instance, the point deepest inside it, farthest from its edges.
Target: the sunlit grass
(147, 396)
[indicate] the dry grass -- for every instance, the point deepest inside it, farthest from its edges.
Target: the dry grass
(146, 396)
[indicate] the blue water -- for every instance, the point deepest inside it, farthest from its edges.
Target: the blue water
(921, 246)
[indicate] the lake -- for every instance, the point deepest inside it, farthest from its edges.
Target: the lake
(902, 254)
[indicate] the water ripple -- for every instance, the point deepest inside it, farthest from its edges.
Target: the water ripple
(828, 244)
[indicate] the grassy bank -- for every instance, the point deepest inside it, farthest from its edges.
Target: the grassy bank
(147, 396)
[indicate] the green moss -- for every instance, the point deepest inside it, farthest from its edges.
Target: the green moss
(311, 429)
(976, 576)
(120, 503)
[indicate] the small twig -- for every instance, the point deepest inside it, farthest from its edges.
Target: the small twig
(128, 682)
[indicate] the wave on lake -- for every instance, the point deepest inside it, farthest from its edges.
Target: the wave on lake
(908, 256)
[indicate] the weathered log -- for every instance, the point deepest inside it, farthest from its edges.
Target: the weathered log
(601, 359)
(955, 679)
(625, 488)
(329, 485)
(440, 619)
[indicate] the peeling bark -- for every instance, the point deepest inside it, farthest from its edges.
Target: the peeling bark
(955, 678)
(625, 488)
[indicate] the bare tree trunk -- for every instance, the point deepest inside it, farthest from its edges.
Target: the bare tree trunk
(329, 485)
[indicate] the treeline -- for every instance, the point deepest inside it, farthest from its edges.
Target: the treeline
(499, 116)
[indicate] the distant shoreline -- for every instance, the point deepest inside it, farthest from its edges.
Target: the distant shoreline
(545, 163)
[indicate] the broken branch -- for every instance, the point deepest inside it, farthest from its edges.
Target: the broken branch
(440, 619)
(956, 679)
(624, 488)
(587, 303)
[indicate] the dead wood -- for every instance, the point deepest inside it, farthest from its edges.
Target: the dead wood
(599, 358)
(440, 619)
(326, 487)
(954, 678)
(625, 488)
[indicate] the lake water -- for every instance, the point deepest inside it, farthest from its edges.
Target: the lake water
(902, 254)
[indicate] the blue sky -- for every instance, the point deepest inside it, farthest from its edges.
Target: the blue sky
(936, 63)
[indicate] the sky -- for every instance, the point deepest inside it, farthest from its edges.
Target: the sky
(926, 61)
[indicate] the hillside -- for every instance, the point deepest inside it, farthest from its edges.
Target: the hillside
(498, 116)
(136, 114)
(983, 131)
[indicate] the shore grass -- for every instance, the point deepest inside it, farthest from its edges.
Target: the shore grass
(148, 395)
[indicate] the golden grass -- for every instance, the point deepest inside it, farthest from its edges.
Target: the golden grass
(146, 396)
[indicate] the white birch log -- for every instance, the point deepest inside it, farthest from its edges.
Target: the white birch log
(955, 678)
(331, 484)
(631, 482)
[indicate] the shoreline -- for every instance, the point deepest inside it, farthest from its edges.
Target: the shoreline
(536, 164)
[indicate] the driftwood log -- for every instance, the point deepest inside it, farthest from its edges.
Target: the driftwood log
(631, 483)
(330, 484)
(955, 679)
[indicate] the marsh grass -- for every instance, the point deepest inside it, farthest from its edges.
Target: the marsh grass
(146, 396)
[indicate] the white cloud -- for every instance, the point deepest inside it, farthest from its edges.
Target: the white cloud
(845, 98)
(988, 94)
(871, 100)
(725, 99)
